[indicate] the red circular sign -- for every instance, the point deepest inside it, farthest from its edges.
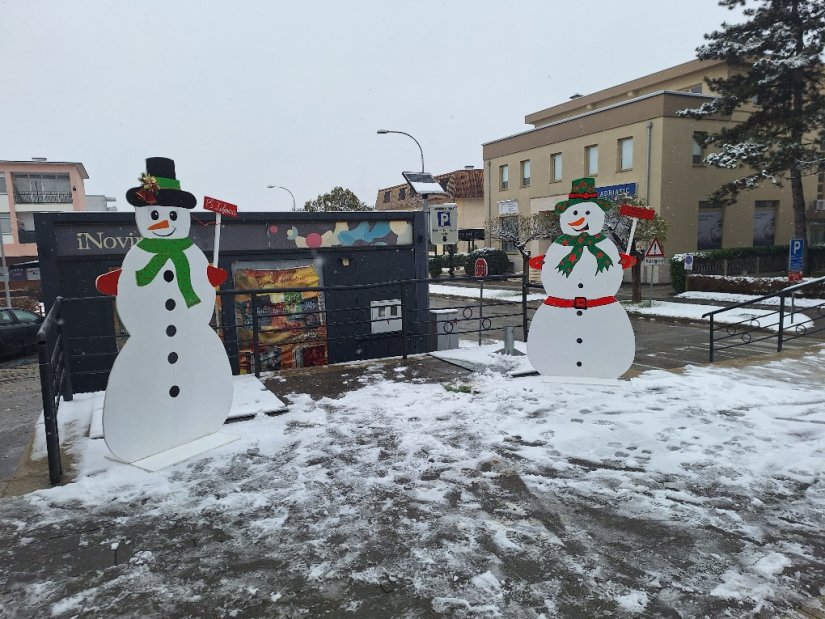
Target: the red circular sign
(481, 267)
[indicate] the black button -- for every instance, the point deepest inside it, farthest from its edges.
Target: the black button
(168, 275)
(578, 363)
(578, 340)
(170, 304)
(175, 390)
(171, 330)
(172, 358)
(581, 285)
(579, 313)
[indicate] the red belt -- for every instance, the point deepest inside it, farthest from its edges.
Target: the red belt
(579, 302)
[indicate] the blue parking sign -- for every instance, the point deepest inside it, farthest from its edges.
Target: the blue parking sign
(796, 253)
(444, 219)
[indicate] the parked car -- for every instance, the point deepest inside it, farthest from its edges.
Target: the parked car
(18, 330)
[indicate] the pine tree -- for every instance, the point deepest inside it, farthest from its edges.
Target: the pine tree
(339, 199)
(778, 77)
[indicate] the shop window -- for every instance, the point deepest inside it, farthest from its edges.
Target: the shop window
(555, 167)
(699, 147)
(710, 226)
(509, 223)
(503, 177)
(591, 160)
(764, 222)
(625, 152)
(525, 173)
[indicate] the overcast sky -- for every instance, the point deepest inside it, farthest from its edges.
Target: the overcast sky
(246, 94)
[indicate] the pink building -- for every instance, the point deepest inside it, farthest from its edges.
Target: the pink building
(28, 187)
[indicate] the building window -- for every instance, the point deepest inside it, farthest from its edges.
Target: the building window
(503, 177)
(555, 167)
(5, 223)
(3, 182)
(710, 225)
(699, 147)
(386, 196)
(764, 222)
(625, 151)
(402, 193)
(42, 188)
(696, 88)
(591, 160)
(525, 173)
(509, 223)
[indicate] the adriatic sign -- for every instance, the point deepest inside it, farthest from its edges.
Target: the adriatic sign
(616, 191)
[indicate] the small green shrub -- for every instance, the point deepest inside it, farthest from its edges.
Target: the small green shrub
(435, 264)
(497, 261)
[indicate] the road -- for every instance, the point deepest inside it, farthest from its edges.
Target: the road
(19, 408)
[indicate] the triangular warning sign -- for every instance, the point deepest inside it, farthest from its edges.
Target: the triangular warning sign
(655, 250)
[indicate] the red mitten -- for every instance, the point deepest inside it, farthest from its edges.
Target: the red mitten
(216, 276)
(536, 262)
(627, 260)
(107, 283)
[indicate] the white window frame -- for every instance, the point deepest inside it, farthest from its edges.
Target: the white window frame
(591, 160)
(556, 167)
(625, 166)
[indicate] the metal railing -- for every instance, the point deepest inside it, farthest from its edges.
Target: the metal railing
(268, 329)
(55, 383)
(756, 329)
(43, 197)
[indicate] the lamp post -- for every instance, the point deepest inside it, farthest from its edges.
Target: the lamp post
(294, 208)
(421, 150)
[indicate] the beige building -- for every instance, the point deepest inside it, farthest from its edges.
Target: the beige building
(28, 187)
(629, 138)
(464, 188)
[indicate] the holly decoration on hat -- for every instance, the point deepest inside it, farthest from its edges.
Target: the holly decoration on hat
(149, 188)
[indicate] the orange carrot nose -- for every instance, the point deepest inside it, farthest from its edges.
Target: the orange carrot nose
(574, 224)
(165, 224)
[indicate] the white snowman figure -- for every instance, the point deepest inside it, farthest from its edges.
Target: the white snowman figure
(171, 383)
(580, 330)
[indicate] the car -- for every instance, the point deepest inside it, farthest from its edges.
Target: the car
(18, 330)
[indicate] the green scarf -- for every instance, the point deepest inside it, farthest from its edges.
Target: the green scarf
(579, 242)
(168, 249)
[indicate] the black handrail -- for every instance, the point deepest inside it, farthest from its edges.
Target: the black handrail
(781, 294)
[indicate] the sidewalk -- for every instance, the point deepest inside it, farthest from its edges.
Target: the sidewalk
(396, 488)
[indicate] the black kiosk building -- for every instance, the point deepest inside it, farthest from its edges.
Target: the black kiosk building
(348, 265)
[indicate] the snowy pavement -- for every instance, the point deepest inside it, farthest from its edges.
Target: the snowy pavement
(688, 494)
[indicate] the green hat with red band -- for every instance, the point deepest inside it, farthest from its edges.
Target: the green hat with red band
(583, 190)
(160, 187)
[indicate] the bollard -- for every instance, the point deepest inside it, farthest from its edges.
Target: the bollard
(509, 341)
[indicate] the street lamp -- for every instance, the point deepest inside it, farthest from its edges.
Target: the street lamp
(294, 208)
(386, 131)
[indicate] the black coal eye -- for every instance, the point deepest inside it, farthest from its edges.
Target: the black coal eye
(173, 215)
(575, 212)
(155, 215)
(587, 212)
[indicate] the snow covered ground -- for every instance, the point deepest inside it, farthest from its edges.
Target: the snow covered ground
(695, 494)
(800, 302)
(466, 292)
(753, 318)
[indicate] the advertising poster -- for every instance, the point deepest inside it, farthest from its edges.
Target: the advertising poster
(710, 229)
(291, 326)
(764, 226)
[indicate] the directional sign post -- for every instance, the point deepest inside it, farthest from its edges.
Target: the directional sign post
(219, 207)
(796, 258)
(654, 257)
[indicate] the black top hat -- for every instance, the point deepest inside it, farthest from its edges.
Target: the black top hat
(160, 186)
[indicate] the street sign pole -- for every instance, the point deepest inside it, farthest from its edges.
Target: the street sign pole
(6, 274)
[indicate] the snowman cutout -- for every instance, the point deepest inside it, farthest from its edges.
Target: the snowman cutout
(581, 331)
(171, 383)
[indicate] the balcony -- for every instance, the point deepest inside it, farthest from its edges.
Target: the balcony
(27, 236)
(43, 197)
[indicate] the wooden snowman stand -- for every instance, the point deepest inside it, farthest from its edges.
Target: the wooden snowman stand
(183, 452)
